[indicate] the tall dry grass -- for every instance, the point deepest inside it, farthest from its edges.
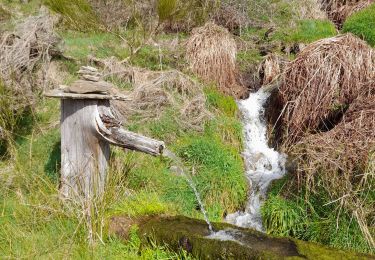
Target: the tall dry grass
(324, 79)
(328, 93)
(211, 54)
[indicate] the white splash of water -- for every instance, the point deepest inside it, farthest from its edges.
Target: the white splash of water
(263, 164)
(223, 235)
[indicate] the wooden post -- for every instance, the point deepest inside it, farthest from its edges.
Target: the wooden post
(84, 155)
(87, 130)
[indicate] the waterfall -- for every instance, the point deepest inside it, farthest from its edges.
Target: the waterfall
(263, 164)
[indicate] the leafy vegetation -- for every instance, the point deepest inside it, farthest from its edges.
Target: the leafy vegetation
(77, 15)
(362, 24)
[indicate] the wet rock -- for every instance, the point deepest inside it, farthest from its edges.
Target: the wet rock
(228, 242)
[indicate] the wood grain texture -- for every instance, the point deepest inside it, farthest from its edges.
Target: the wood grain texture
(110, 129)
(87, 129)
(84, 155)
(59, 93)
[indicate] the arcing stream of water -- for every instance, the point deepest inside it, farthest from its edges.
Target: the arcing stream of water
(180, 169)
(263, 164)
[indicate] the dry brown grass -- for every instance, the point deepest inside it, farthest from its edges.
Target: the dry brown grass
(154, 92)
(115, 13)
(26, 50)
(211, 54)
(271, 69)
(230, 15)
(339, 10)
(328, 93)
(324, 79)
(344, 158)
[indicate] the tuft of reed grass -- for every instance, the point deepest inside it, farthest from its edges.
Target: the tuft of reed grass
(326, 77)
(211, 54)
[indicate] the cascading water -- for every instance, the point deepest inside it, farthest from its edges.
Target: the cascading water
(263, 164)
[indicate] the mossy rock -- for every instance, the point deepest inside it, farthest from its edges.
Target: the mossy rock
(181, 232)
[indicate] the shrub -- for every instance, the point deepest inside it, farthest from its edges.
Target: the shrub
(77, 15)
(166, 9)
(362, 24)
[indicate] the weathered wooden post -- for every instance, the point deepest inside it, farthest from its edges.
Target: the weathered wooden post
(87, 129)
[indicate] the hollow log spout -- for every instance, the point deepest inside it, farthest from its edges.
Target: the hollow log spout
(109, 128)
(88, 128)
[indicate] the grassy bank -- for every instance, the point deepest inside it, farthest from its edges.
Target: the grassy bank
(36, 224)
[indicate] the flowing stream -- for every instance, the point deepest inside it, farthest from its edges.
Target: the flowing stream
(263, 164)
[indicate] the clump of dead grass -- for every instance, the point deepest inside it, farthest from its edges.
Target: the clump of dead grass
(338, 10)
(126, 13)
(344, 158)
(328, 94)
(25, 55)
(211, 54)
(324, 79)
(232, 15)
(271, 69)
(153, 92)
(27, 49)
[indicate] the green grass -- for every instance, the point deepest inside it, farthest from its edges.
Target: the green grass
(35, 224)
(248, 58)
(218, 175)
(213, 153)
(4, 14)
(101, 45)
(79, 45)
(362, 24)
(225, 104)
(312, 219)
(143, 203)
(166, 8)
(307, 31)
(152, 57)
(16, 9)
